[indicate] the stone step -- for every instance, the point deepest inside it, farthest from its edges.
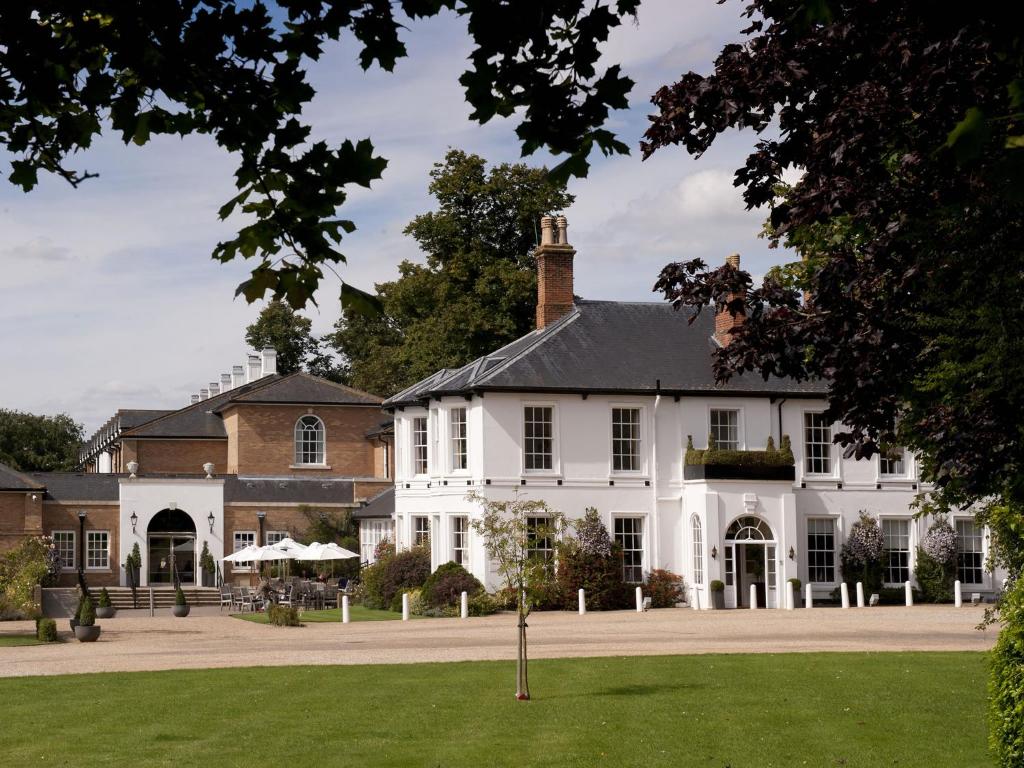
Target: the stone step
(163, 597)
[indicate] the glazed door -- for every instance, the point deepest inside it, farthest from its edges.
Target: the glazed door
(168, 552)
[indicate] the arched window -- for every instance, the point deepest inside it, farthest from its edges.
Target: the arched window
(309, 440)
(698, 552)
(749, 529)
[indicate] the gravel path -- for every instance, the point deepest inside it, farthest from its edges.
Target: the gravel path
(134, 643)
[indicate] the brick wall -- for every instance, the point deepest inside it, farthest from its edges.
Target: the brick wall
(265, 437)
(554, 283)
(99, 517)
(180, 456)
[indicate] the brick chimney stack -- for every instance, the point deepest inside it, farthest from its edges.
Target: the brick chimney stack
(554, 271)
(724, 321)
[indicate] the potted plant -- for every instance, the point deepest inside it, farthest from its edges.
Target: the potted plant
(133, 565)
(104, 610)
(181, 606)
(208, 567)
(717, 595)
(78, 609)
(87, 631)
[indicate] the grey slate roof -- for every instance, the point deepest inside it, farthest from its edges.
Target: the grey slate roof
(381, 505)
(79, 486)
(134, 417)
(606, 347)
(287, 489)
(302, 388)
(13, 480)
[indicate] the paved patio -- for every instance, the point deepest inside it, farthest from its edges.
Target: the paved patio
(205, 639)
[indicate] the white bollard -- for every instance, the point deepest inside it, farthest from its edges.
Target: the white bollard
(405, 606)
(958, 594)
(809, 599)
(344, 610)
(753, 597)
(790, 600)
(583, 602)
(860, 595)
(464, 613)
(908, 592)
(844, 594)
(639, 600)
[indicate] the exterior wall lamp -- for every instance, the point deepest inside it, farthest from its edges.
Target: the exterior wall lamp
(792, 553)
(714, 553)
(210, 519)
(135, 519)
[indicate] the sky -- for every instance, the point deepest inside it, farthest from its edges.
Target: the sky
(109, 298)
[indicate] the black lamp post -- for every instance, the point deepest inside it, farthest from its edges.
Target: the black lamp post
(261, 516)
(81, 551)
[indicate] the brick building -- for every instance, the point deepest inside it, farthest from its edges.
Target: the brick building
(249, 460)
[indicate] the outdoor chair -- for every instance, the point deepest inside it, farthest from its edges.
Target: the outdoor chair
(236, 598)
(246, 600)
(343, 584)
(286, 596)
(226, 598)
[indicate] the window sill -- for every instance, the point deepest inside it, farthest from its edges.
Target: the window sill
(309, 466)
(98, 570)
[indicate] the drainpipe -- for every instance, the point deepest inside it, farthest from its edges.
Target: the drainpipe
(81, 552)
(261, 516)
(655, 541)
(780, 421)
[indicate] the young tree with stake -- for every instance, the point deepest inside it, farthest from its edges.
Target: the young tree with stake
(511, 530)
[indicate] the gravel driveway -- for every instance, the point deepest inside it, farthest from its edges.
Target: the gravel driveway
(133, 643)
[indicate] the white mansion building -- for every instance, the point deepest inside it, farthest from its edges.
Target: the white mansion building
(594, 409)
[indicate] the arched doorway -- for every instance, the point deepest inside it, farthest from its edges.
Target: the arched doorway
(750, 559)
(172, 547)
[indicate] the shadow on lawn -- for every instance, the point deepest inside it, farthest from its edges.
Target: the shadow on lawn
(636, 689)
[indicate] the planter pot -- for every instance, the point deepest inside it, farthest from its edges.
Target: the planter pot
(718, 600)
(105, 612)
(87, 634)
(73, 622)
(209, 579)
(133, 576)
(180, 610)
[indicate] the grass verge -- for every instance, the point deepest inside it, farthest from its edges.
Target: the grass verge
(355, 613)
(11, 641)
(821, 710)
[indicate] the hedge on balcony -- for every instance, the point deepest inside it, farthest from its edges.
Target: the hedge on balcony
(712, 455)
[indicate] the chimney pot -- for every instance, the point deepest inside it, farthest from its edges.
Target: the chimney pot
(225, 382)
(554, 274)
(214, 389)
(563, 230)
(237, 376)
(269, 361)
(195, 399)
(546, 237)
(204, 394)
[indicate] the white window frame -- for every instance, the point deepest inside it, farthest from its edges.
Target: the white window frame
(416, 533)
(903, 475)
(272, 537)
(741, 442)
(247, 565)
(833, 464)
(641, 439)
(454, 440)
(697, 549)
(74, 549)
(415, 445)
(300, 442)
(544, 546)
(555, 467)
(641, 519)
(889, 551)
(460, 539)
(88, 550)
(814, 550)
(979, 533)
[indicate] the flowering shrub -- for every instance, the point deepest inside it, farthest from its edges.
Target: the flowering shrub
(385, 548)
(591, 535)
(21, 569)
(940, 541)
(865, 542)
(664, 588)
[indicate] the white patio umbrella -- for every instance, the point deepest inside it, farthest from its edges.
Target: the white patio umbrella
(254, 554)
(330, 551)
(290, 549)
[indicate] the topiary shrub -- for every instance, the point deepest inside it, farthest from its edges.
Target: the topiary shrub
(46, 630)
(717, 586)
(104, 601)
(446, 585)
(86, 612)
(385, 579)
(797, 584)
(935, 579)
(179, 597)
(665, 588)
(283, 615)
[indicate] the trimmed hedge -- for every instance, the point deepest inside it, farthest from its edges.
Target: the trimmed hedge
(769, 457)
(386, 579)
(599, 575)
(444, 587)
(283, 616)
(935, 578)
(46, 630)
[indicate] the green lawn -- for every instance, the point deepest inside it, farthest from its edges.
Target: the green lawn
(355, 613)
(10, 641)
(819, 710)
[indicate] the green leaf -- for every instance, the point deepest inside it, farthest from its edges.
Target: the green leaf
(1015, 142)
(969, 136)
(360, 302)
(24, 174)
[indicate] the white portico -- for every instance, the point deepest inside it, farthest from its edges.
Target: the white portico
(170, 519)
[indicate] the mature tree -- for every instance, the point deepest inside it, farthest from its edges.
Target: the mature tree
(508, 529)
(908, 127)
(237, 72)
(477, 289)
(289, 333)
(31, 443)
